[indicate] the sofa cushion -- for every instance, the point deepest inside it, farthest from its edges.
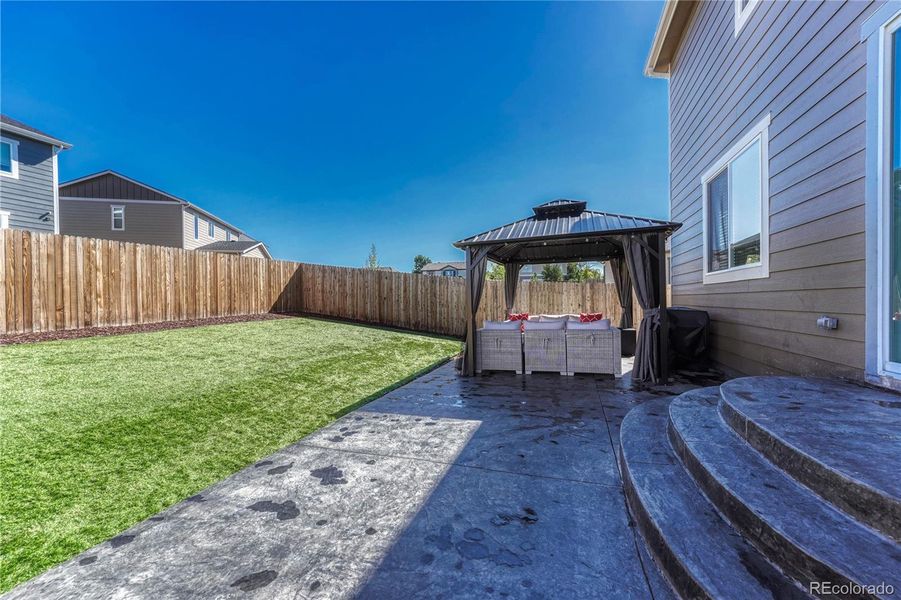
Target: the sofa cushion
(590, 317)
(544, 325)
(502, 325)
(519, 317)
(552, 318)
(601, 325)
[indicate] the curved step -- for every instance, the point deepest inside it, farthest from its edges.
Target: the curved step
(697, 551)
(841, 440)
(804, 535)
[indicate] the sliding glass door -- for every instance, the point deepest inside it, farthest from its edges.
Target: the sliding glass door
(891, 222)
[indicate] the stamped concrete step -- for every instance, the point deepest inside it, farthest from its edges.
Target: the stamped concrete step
(807, 537)
(841, 440)
(696, 550)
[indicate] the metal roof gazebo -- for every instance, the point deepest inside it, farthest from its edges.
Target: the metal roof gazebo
(565, 231)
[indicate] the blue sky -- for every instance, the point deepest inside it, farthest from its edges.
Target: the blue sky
(322, 128)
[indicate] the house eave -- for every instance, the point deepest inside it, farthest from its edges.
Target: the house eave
(26, 133)
(670, 28)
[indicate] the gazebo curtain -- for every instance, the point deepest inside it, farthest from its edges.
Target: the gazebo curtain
(511, 281)
(623, 283)
(476, 264)
(639, 258)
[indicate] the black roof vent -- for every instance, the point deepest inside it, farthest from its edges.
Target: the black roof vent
(560, 208)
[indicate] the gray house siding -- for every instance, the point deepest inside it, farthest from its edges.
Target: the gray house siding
(32, 194)
(203, 237)
(146, 222)
(804, 65)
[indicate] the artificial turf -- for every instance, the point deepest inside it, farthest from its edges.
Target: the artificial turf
(97, 434)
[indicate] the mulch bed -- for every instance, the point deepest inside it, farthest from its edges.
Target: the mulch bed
(71, 334)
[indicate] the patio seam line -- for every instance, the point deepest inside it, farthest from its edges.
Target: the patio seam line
(456, 464)
(633, 528)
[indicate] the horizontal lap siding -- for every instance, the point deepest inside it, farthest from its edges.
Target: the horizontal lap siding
(203, 232)
(31, 195)
(804, 65)
(157, 223)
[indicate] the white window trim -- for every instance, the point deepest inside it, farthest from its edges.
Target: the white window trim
(112, 217)
(4, 219)
(196, 227)
(743, 14)
(211, 229)
(14, 157)
(761, 270)
(884, 366)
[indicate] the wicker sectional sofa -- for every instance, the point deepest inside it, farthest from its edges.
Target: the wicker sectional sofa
(564, 351)
(544, 350)
(499, 350)
(591, 351)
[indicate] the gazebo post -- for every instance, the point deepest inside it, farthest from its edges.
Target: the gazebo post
(663, 344)
(469, 354)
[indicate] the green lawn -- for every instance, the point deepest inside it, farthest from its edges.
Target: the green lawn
(97, 434)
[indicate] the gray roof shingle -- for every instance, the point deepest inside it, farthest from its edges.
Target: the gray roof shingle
(231, 247)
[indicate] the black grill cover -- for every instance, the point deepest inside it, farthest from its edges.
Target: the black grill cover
(688, 331)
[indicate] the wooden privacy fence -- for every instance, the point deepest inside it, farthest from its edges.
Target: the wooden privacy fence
(54, 282)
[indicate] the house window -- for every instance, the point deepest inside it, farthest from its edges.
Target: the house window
(117, 217)
(736, 211)
(9, 157)
(228, 235)
(211, 229)
(743, 9)
(196, 227)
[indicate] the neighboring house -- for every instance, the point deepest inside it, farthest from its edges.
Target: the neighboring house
(445, 269)
(248, 248)
(28, 177)
(529, 272)
(112, 206)
(784, 145)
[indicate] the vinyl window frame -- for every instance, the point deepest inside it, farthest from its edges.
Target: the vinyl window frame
(211, 229)
(761, 270)
(13, 157)
(113, 209)
(196, 227)
(742, 14)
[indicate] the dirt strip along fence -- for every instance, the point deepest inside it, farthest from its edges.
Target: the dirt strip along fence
(55, 282)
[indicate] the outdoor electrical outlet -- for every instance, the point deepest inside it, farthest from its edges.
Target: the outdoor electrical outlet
(825, 322)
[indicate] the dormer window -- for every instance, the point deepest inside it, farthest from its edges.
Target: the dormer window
(743, 9)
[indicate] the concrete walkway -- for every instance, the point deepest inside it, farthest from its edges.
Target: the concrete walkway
(497, 486)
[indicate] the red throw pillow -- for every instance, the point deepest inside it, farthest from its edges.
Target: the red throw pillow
(520, 317)
(590, 317)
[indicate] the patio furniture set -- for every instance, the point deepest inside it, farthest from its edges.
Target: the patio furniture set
(556, 343)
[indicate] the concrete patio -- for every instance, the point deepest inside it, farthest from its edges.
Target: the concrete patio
(499, 485)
